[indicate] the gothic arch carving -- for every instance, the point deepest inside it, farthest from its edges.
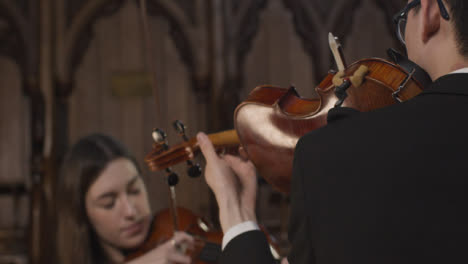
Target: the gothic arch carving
(390, 8)
(77, 38)
(189, 28)
(20, 43)
(240, 25)
(314, 19)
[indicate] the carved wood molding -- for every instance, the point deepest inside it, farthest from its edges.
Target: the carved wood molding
(241, 21)
(390, 8)
(189, 31)
(189, 23)
(240, 25)
(77, 38)
(19, 42)
(314, 19)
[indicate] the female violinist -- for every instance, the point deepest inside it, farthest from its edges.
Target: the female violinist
(103, 210)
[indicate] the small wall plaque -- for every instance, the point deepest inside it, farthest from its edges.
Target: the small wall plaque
(131, 84)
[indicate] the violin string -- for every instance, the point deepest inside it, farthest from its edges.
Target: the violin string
(173, 202)
(152, 69)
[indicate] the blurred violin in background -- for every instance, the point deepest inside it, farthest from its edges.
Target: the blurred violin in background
(207, 247)
(207, 241)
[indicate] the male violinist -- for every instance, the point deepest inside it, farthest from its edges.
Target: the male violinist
(387, 186)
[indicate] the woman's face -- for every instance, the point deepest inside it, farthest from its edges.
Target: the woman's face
(117, 206)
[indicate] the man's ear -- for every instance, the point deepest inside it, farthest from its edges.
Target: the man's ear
(430, 19)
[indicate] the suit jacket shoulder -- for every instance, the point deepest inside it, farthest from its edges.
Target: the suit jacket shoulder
(388, 186)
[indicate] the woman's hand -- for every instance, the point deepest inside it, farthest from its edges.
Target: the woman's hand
(172, 251)
(234, 183)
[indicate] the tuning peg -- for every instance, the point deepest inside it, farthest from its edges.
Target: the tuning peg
(160, 137)
(180, 128)
(172, 178)
(194, 170)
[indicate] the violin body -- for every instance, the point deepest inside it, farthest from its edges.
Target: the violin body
(207, 241)
(271, 120)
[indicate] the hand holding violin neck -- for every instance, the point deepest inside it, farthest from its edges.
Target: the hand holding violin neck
(233, 182)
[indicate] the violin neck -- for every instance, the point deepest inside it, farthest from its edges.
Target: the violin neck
(226, 138)
(221, 140)
(160, 158)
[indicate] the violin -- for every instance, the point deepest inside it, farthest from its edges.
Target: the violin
(271, 120)
(207, 247)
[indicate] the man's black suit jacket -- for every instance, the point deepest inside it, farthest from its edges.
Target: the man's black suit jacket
(388, 186)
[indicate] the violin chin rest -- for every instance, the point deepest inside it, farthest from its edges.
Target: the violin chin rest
(420, 74)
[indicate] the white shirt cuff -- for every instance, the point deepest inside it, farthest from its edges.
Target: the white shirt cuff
(237, 230)
(463, 70)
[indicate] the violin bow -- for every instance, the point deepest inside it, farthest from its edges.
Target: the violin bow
(337, 52)
(152, 69)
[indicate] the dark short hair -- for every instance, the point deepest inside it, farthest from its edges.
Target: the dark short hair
(82, 165)
(459, 16)
(457, 9)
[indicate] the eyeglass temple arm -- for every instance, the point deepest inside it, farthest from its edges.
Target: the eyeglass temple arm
(443, 11)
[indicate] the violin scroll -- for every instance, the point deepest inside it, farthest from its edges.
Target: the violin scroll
(160, 158)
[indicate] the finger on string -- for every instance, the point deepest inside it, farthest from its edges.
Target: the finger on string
(206, 147)
(237, 163)
(233, 160)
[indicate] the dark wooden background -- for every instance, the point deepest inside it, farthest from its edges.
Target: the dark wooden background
(59, 59)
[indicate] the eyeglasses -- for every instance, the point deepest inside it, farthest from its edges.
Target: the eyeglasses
(401, 17)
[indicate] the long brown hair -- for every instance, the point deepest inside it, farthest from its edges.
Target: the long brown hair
(77, 242)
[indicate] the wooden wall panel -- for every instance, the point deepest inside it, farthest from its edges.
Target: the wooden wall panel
(369, 36)
(85, 116)
(300, 68)
(277, 56)
(107, 38)
(14, 144)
